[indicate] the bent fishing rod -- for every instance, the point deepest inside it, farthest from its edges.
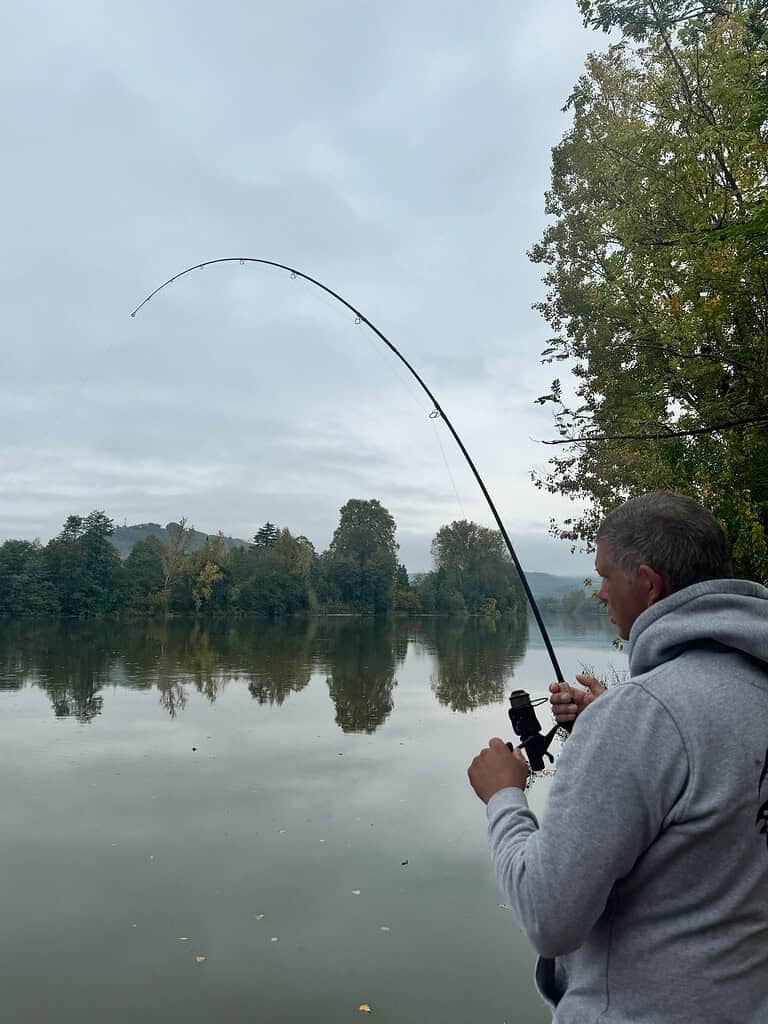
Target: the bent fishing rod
(521, 712)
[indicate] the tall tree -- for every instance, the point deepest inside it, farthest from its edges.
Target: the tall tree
(175, 555)
(361, 562)
(145, 575)
(473, 562)
(266, 535)
(84, 568)
(658, 271)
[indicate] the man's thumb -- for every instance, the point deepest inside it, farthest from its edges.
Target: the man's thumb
(594, 685)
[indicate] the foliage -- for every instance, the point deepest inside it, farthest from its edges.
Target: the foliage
(266, 536)
(84, 567)
(657, 268)
(361, 564)
(145, 575)
(79, 574)
(474, 571)
(25, 585)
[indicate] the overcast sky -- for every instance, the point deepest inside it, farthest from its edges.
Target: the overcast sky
(398, 151)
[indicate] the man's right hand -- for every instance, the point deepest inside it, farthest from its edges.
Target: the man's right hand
(566, 707)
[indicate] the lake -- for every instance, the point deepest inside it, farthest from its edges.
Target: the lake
(287, 801)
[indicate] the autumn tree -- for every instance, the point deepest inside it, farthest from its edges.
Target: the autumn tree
(657, 268)
(175, 554)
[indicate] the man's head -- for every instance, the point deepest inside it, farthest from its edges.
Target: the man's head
(651, 547)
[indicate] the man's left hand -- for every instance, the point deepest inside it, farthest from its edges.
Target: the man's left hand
(497, 767)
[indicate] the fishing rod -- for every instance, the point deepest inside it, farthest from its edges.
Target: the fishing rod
(521, 713)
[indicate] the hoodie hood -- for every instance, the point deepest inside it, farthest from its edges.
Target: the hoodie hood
(728, 613)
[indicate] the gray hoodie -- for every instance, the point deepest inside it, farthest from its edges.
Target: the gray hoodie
(645, 887)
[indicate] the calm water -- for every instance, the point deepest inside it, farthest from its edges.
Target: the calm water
(289, 802)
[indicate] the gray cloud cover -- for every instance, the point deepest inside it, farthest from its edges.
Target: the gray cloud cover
(399, 152)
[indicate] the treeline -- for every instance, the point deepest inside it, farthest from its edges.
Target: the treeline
(80, 574)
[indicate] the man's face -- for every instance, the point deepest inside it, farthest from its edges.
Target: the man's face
(626, 597)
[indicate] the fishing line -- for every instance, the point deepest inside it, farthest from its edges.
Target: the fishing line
(437, 412)
(392, 368)
(433, 420)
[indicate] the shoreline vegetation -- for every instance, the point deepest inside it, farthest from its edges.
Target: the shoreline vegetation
(80, 573)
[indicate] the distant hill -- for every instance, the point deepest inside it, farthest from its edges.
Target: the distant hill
(125, 537)
(544, 585)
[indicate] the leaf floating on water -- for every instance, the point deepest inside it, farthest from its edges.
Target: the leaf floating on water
(385, 928)
(364, 1008)
(356, 892)
(274, 939)
(200, 958)
(259, 917)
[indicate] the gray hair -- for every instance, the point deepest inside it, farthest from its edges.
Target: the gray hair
(674, 535)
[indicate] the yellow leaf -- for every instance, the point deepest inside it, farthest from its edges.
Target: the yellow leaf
(364, 1008)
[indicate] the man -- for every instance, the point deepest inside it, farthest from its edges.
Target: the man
(645, 887)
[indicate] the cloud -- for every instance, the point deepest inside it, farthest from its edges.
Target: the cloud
(398, 152)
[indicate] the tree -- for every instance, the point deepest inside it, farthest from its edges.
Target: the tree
(361, 562)
(658, 272)
(207, 575)
(473, 568)
(366, 532)
(25, 584)
(84, 568)
(266, 536)
(175, 555)
(641, 19)
(145, 575)
(273, 579)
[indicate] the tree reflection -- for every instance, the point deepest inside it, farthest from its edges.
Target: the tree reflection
(69, 661)
(474, 658)
(281, 661)
(72, 662)
(360, 657)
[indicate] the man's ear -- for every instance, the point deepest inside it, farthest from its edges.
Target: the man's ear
(652, 584)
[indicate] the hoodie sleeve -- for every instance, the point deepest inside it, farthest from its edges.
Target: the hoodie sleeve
(621, 776)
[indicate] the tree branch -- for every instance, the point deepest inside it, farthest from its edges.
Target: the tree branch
(599, 438)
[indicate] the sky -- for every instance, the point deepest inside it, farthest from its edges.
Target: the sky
(398, 152)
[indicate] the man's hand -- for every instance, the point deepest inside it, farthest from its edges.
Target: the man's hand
(567, 706)
(497, 767)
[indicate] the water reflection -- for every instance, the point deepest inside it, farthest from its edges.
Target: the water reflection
(74, 662)
(360, 660)
(474, 658)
